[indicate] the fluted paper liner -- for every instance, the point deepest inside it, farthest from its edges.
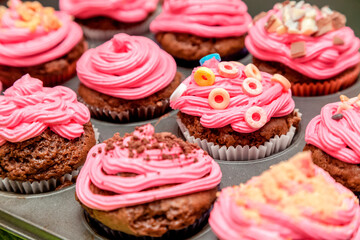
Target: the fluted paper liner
(242, 153)
(27, 187)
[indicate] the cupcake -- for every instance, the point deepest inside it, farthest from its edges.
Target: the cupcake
(128, 78)
(40, 41)
(311, 47)
(235, 112)
(190, 30)
(45, 135)
(146, 185)
(292, 200)
(333, 137)
(101, 20)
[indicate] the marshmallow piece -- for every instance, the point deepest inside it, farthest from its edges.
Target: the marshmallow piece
(324, 26)
(310, 13)
(300, 4)
(326, 11)
(281, 30)
(296, 13)
(338, 20)
(273, 23)
(308, 26)
(298, 49)
(293, 27)
(338, 40)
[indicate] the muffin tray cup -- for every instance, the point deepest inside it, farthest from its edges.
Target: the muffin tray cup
(57, 215)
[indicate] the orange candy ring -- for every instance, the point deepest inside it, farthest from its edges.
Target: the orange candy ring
(282, 80)
(252, 87)
(252, 71)
(219, 98)
(228, 70)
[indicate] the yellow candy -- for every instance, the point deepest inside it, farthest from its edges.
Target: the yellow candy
(204, 76)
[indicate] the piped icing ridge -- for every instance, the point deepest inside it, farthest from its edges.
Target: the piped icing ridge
(336, 130)
(253, 97)
(121, 10)
(127, 67)
(204, 18)
(313, 42)
(162, 166)
(27, 109)
(32, 34)
(293, 200)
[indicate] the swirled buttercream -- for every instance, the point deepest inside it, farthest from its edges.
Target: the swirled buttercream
(32, 35)
(121, 10)
(323, 58)
(127, 67)
(194, 100)
(162, 166)
(292, 200)
(27, 109)
(339, 138)
(204, 18)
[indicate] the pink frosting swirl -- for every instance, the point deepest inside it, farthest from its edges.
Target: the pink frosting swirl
(163, 167)
(127, 67)
(121, 10)
(338, 138)
(323, 59)
(194, 101)
(21, 47)
(27, 109)
(204, 18)
(237, 215)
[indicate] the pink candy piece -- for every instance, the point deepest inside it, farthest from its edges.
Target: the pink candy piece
(219, 98)
(252, 87)
(228, 70)
(255, 117)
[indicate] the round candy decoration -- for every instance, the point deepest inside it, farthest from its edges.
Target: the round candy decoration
(228, 70)
(255, 117)
(252, 71)
(210, 56)
(252, 87)
(282, 80)
(219, 98)
(204, 76)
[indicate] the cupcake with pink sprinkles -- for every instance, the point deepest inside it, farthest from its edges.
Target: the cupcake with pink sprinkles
(235, 112)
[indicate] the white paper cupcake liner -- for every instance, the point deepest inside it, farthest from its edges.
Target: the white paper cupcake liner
(27, 187)
(242, 153)
(101, 35)
(137, 114)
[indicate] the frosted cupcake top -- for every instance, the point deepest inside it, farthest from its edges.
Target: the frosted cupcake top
(121, 10)
(336, 130)
(27, 109)
(127, 67)
(311, 41)
(228, 93)
(204, 18)
(143, 167)
(292, 200)
(32, 34)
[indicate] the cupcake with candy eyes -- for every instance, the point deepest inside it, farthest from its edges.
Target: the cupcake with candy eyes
(45, 135)
(292, 200)
(101, 20)
(333, 138)
(128, 78)
(311, 47)
(40, 41)
(235, 112)
(190, 30)
(147, 185)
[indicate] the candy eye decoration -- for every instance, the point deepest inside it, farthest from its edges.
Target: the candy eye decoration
(252, 71)
(204, 76)
(210, 56)
(282, 80)
(219, 98)
(255, 117)
(228, 70)
(178, 92)
(252, 87)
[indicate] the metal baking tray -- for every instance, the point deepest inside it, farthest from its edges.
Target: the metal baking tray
(57, 215)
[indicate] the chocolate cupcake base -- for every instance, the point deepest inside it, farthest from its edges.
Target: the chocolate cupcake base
(345, 173)
(108, 108)
(227, 144)
(52, 73)
(181, 234)
(188, 49)
(304, 86)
